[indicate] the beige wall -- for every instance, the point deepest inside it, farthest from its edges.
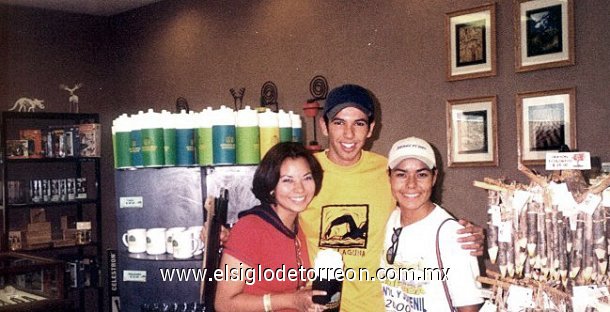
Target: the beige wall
(200, 49)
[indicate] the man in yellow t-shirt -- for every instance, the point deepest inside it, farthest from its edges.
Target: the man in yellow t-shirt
(350, 212)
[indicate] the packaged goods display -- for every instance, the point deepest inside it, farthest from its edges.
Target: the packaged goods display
(57, 142)
(220, 136)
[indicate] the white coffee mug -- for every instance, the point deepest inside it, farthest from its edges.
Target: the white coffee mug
(169, 247)
(155, 241)
(196, 233)
(184, 245)
(135, 240)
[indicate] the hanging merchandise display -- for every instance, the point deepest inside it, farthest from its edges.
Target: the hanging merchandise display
(136, 140)
(549, 238)
(121, 139)
(223, 136)
(247, 137)
(285, 124)
(205, 149)
(269, 130)
(296, 127)
(153, 154)
(185, 139)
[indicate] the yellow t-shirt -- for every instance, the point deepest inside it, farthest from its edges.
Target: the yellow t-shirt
(349, 214)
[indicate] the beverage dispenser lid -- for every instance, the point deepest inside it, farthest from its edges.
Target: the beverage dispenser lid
(295, 119)
(246, 117)
(121, 124)
(268, 119)
(224, 116)
(284, 119)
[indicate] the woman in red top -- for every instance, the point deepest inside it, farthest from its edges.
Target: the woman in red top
(265, 255)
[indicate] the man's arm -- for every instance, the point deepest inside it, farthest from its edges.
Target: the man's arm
(473, 242)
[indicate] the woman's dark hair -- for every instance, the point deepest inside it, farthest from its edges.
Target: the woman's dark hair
(267, 174)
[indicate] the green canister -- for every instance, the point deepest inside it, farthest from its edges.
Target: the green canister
(135, 135)
(223, 136)
(153, 154)
(185, 139)
(169, 138)
(297, 127)
(269, 130)
(205, 149)
(247, 147)
(285, 125)
(121, 140)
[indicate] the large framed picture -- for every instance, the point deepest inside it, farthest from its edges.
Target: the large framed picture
(546, 122)
(472, 132)
(544, 34)
(470, 36)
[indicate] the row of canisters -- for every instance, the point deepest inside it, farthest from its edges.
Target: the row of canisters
(210, 137)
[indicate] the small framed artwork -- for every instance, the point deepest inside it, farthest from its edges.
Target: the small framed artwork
(546, 122)
(470, 36)
(472, 132)
(544, 34)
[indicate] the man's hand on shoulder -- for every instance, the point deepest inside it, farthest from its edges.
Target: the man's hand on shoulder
(473, 242)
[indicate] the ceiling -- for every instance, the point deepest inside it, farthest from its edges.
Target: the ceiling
(91, 7)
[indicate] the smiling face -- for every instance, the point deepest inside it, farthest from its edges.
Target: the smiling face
(412, 184)
(294, 190)
(347, 132)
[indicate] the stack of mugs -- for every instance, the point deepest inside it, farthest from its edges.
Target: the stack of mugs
(180, 242)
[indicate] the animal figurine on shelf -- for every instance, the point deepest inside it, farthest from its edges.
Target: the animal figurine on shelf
(73, 99)
(27, 105)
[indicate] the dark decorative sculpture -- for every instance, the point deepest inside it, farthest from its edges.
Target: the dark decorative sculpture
(238, 96)
(269, 95)
(182, 104)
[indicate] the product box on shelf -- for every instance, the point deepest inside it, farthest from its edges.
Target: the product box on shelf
(17, 192)
(34, 138)
(38, 215)
(14, 240)
(68, 222)
(81, 272)
(17, 149)
(64, 141)
(38, 234)
(90, 140)
(81, 188)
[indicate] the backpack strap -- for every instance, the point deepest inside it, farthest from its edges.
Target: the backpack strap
(440, 263)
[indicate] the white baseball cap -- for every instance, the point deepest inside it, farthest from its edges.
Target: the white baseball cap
(411, 147)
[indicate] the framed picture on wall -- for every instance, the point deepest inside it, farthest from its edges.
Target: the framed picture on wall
(546, 120)
(472, 132)
(470, 37)
(544, 34)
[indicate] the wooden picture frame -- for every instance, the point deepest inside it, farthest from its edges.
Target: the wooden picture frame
(545, 121)
(470, 37)
(544, 34)
(472, 132)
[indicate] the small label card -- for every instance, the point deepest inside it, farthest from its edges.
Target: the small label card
(567, 161)
(134, 276)
(131, 202)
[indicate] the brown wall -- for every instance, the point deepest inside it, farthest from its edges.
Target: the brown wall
(199, 49)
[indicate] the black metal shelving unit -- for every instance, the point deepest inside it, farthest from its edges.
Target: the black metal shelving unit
(31, 168)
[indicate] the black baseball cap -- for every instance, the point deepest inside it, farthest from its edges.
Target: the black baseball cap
(349, 95)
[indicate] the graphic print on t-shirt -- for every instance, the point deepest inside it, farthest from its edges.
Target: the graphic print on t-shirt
(344, 226)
